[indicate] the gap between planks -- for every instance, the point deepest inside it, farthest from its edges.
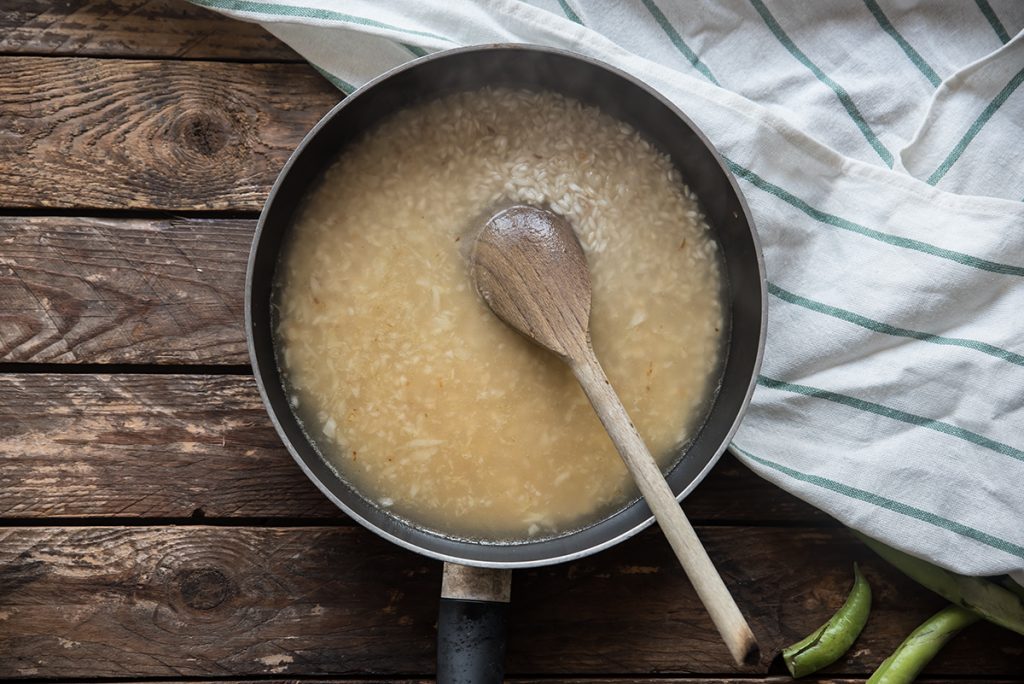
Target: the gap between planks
(157, 58)
(125, 368)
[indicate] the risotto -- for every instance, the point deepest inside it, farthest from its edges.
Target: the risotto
(424, 400)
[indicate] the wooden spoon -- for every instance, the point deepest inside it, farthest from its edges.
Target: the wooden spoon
(529, 267)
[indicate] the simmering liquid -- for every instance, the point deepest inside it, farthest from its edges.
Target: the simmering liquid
(415, 392)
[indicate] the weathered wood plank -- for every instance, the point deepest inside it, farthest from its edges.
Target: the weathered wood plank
(209, 601)
(122, 291)
(144, 445)
(166, 446)
(116, 134)
(132, 28)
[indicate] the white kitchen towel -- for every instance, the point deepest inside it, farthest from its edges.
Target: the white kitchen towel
(880, 145)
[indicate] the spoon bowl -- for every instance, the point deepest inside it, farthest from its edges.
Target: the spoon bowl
(529, 266)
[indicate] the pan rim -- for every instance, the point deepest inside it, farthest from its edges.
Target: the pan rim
(532, 561)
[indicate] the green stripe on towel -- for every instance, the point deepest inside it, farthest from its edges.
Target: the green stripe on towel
(885, 328)
(678, 41)
(844, 224)
(569, 13)
(252, 7)
(993, 20)
(894, 414)
(343, 86)
(414, 49)
(976, 127)
(844, 97)
(890, 504)
(908, 50)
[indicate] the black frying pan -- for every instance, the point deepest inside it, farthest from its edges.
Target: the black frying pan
(471, 626)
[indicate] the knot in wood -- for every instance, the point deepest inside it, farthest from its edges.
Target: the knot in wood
(202, 132)
(204, 588)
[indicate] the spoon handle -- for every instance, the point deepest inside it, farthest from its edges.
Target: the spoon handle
(656, 491)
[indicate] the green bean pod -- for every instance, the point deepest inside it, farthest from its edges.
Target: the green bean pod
(1010, 585)
(917, 650)
(828, 643)
(998, 604)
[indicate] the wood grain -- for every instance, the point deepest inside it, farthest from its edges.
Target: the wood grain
(115, 134)
(122, 291)
(229, 602)
(169, 446)
(144, 445)
(527, 264)
(132, 28)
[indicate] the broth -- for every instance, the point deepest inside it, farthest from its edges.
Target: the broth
(423, 399)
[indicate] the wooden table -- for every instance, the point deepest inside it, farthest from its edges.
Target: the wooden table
(152, 525)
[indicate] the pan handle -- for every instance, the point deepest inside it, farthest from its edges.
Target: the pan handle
(471, 625)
